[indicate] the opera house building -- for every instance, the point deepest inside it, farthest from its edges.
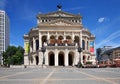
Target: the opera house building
(59, 39)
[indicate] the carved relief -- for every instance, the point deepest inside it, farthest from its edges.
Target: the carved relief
(60, 22)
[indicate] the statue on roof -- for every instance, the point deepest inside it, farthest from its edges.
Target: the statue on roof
(59, 6)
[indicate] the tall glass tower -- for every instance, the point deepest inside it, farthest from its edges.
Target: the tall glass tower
(4, 33)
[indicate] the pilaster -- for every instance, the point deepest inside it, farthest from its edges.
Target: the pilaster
(81, 54)
(73, 35)
(80, 39)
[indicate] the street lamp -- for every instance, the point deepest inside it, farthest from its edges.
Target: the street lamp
(79, 50)
(43, 49)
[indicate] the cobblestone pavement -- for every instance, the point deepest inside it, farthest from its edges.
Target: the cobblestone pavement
(60, 75)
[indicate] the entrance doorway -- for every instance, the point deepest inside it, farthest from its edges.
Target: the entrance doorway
(37, 60)
(70, 58)
(51, 59)
(61, 59)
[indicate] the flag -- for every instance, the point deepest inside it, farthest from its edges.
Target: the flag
(26, 47)
(91, 49)
(92, 46)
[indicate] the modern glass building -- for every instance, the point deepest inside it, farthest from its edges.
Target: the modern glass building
(4, 33)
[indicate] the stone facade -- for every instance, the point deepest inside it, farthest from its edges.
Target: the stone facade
(60, 33)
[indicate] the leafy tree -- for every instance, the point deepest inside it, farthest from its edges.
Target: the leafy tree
(13, 55)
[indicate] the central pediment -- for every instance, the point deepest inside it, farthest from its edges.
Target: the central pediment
(58, 14)
(61, 14)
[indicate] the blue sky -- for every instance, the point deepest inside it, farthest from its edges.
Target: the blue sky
(101, 17)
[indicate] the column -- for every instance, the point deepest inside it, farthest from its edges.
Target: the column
(56, 37)
(56, 57)
(40, 40)
(73, 36)
(48, 37)
(40, 58)
(86, 44)
(81, 54)
(76, 57)
(46, 57)
(80, 39)
(34, 44)
(64, 38)
(66, 57)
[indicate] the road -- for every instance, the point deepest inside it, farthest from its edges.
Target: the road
(60, 75)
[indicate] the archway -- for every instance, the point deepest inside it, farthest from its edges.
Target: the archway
(69, 40)
(70, 58)
(37, 60)
(59, 41)
(61, 59)
(51, 59)
(52, 40)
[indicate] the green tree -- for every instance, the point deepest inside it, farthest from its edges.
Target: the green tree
(13, 55)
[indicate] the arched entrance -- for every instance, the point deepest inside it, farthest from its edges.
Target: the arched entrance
(61, 59)
(70, 58)
(37, 60)
(51, 59)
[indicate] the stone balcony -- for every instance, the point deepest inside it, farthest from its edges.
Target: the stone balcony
(61, 46)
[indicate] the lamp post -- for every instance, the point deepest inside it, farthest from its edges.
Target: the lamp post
(79, 50)
(43, 49)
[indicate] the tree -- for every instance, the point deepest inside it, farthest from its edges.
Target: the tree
(13, 55)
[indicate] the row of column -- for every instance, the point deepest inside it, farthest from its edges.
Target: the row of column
(48, 37)
(65, 55)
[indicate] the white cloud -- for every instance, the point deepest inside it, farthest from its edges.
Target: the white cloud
(109, 39)
(102, 19)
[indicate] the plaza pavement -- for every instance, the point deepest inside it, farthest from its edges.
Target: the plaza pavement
(60, 75)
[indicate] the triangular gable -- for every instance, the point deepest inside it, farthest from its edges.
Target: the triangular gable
(59, 13)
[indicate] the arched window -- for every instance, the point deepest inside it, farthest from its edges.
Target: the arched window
(76, 40)
(83, 44)
(44, 40)
(52, 40)
(60, 38)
